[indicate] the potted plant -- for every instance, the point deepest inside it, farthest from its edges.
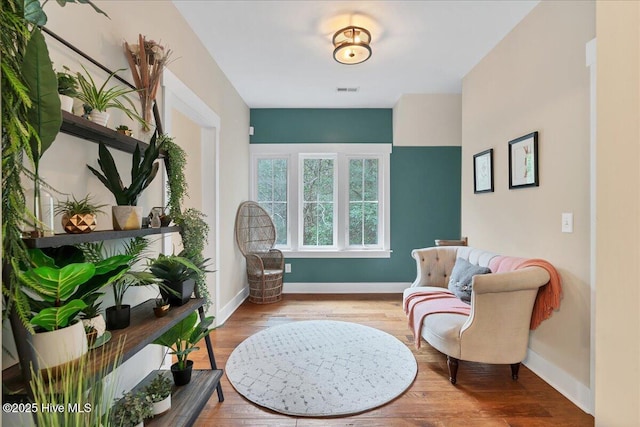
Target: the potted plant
(92, 317)
(118, 316)
(126, 215)
(178, 274)
(131, 410)
(56, 296)
(100, 99)
(162, 307)
(159, 392)
(124, 129)
(181, 340)
(67, 88)
(78, 216)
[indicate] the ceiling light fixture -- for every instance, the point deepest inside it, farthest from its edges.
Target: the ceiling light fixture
(351, 45)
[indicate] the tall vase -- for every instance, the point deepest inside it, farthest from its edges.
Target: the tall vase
(39, 202)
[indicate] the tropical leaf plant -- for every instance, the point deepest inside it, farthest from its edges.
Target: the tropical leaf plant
(45, 114)
(143, 171)
(58, 294)
(183, 337)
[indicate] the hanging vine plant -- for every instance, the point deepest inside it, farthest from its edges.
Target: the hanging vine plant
(194, 228)
(31, 120)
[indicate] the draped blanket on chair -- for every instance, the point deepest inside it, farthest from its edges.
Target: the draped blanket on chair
(419, 305)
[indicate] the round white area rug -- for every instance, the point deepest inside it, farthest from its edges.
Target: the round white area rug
(321, 368)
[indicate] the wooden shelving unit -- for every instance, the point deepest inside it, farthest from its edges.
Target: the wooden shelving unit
(94, 236)
(143, 330)
(186, 401)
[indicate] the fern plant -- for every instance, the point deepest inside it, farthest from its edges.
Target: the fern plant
(143, 171)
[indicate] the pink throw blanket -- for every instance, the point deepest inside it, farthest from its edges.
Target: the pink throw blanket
(419, 305)
(549, 295)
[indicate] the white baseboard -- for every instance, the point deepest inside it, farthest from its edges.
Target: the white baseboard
(231, 306)
(572, 389)
(345, 288)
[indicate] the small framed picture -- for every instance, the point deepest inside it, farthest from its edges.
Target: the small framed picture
(483, 172)
(523, 161)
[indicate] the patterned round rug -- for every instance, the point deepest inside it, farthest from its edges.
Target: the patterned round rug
(321, 368)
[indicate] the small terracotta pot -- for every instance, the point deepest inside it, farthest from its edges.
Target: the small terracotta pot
(79, 223)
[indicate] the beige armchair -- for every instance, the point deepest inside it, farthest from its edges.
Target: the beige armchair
(497, 329)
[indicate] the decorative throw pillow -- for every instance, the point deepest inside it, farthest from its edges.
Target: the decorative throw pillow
(461, 276)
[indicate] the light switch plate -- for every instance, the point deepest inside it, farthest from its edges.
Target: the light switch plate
(567, 222)
(287, 268)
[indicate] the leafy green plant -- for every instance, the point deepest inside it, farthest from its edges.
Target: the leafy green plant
(67, 82)
(175, 268)
(101, 98)
(58, 294)
(159, 388)
(24, 60)
(194, 231)
(79, 385)
(143, 171)
(134, 250)
(175, 162)
(122, 127)
(131, 410)
(78, 207)
(183, 337)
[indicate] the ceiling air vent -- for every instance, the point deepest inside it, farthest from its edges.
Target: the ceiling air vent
(347, 89)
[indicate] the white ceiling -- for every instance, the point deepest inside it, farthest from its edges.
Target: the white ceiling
(279, 53)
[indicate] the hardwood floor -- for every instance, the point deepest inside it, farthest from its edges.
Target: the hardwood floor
(484, 396)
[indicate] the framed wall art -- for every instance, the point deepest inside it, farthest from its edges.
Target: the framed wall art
(523, 161)
(483, 172)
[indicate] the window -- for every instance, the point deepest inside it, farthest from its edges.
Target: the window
(326, 200)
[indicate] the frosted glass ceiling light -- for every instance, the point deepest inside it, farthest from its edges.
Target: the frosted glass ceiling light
(351, 45)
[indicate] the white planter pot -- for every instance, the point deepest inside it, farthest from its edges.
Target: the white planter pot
(66, 103)
(127, 217)
(162, 406)
(56, 348)
(97, 323)
(99, 117)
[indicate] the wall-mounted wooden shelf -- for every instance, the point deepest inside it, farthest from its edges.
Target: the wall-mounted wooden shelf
(86, 129)
(94, 236)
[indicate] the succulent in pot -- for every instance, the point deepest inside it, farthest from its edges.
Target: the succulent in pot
(124, 129)
(126, 215)
(100, 99)
(162, 307)
(67, 88)
(78, 216)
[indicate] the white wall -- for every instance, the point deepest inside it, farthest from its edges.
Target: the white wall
(422, 120)
(535, 79)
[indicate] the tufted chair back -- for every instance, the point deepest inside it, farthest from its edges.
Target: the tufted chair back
(434, 265)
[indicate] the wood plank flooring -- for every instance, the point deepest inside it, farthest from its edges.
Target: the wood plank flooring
(485, 395)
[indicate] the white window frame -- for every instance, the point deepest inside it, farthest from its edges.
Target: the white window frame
(295, 153)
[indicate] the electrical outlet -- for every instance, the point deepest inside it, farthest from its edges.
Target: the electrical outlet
(287, 268)
(567, 222)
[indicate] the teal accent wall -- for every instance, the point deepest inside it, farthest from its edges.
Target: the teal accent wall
(425, 191)
(321, 125)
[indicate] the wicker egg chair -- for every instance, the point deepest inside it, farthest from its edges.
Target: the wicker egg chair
(256, 235)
